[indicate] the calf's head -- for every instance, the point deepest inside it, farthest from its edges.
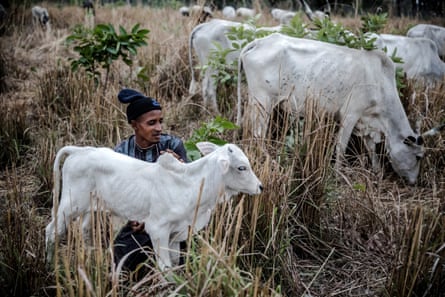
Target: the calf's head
(237, 172)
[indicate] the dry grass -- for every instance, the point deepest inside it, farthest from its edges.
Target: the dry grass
(311, 233)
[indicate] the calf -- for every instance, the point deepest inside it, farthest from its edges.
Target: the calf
(40, 15)
(168, 196)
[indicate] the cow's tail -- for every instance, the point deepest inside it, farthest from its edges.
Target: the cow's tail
(238, 90)
(192, 88)
(61, 155)
(240, 68)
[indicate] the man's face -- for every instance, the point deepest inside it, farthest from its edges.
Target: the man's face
(148, 128)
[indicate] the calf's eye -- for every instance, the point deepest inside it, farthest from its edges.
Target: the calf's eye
(242, 168)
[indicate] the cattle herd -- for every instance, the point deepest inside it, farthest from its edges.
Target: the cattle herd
(359, 89)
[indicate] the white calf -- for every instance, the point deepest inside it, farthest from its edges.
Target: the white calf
(168, 196)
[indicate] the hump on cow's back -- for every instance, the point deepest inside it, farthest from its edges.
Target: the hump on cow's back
(168, 161)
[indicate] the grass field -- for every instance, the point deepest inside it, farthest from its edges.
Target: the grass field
(312, 232)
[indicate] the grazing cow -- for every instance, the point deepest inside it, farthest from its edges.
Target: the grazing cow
(356, 86)
(433, 32)
(88, 6)
(421, 60)
(282, 16)
(40, 15)
(229, 12)
(314, 15)
(203, 11)
(245, 12)
(168, 196)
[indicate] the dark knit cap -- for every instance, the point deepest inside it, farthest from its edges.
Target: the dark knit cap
(138, 104)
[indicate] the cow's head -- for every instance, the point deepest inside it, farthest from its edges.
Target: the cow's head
(237, 172)
(405, 157)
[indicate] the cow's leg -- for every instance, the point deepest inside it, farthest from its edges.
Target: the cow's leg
(174, 252)
(160, 240)
(209, 90)
(371, 147)
(68, 210)
(49, 240)
(59, 220)
(259, 118)
(344, 134)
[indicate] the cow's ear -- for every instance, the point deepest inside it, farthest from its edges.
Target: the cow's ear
(206, 147)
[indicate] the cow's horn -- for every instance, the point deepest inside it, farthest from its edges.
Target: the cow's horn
(434, 131)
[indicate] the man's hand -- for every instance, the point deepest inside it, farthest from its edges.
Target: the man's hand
(136, 226)
(174, 154)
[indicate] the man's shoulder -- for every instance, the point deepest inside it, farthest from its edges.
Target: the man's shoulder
(123, 146)
(170, 140)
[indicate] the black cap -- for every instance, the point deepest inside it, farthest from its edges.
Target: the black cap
(138, 103)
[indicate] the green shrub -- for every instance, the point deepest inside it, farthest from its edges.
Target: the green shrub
(101, 46)
(211, 131)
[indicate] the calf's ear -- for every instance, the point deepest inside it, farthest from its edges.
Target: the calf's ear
(206, 147)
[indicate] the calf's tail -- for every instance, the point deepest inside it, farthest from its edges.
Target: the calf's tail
(61, 155)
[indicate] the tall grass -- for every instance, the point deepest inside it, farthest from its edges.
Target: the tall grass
(312, 232)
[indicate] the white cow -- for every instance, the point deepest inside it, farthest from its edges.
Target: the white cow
(245, 12)
(356, 86)
(282, 16)
(421, 60)
(229, 12)
(168, 196)
(40, 15)
(202, 12)
(202, 40)
(433, 32)
(184, 11)
(198, 9)
(317, 14)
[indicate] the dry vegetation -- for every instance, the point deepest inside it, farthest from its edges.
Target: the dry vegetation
(311, 233)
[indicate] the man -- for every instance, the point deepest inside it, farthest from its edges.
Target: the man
(144, 114)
